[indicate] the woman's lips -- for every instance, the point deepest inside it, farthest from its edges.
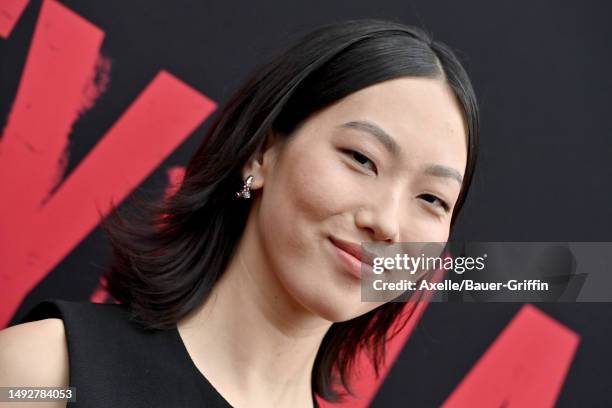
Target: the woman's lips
(350, 255)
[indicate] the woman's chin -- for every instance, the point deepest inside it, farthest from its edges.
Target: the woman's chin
(336, 311)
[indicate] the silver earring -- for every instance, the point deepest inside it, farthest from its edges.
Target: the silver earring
(246, 189)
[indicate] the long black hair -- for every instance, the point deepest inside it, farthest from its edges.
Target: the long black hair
(168, 255)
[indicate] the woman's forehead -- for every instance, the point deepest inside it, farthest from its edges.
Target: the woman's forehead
(405, 101)
(403, 113)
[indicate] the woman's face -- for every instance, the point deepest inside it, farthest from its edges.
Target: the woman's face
(384, 164)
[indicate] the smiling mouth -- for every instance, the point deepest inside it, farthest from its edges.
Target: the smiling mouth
(353, 257)
(355, 250)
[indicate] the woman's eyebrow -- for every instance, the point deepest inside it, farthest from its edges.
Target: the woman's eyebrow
(373, 129)
(439, 170)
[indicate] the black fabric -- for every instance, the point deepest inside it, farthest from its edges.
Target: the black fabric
(114, 362)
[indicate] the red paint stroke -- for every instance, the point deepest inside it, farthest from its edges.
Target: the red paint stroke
(97, 84)
(37, 234)
(363, 379)
(524, 367)
(10, 11)
(32, 151)
(60, 61)
(100, 295)
(160, 119)
(175, 176)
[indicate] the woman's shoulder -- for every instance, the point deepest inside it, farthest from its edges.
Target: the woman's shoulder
(34, 354)
(106, 354)
(36, 351)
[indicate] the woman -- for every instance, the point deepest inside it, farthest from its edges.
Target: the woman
(241, 288)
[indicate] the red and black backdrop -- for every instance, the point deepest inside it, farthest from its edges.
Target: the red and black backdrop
(100, 98)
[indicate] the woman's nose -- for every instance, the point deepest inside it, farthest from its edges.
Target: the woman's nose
(381, 218)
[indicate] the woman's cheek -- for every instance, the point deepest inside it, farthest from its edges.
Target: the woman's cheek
(426, 228)
(325, 189)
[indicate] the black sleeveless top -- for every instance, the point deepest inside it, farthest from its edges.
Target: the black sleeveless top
(114, 362)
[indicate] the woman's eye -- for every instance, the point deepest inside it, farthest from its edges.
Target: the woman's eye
(363, 160)
(430, 198)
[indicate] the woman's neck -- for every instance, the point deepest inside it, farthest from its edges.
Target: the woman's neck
(252, 341)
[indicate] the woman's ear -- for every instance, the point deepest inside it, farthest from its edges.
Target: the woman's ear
(262, 163)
